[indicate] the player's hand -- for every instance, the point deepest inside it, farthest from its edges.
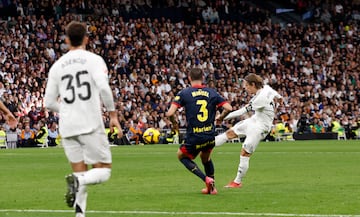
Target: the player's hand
(11, 121)
(218, 120)
(114, 122)
(120, 133)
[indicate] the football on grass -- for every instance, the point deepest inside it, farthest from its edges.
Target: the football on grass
(151, 136)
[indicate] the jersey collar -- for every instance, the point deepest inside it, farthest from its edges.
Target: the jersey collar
(198, 86)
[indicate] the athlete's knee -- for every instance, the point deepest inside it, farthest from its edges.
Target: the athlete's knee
(102, 165)
(245, 153)
(205, 158)
(205, 155)
(79, 167)
(180, 154)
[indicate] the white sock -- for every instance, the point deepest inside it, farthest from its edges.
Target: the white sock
(242, 169)
(220, 139)
(81, 197)
(95, 176)
(79, 215)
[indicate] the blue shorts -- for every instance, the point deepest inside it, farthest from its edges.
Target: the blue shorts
(192, 150)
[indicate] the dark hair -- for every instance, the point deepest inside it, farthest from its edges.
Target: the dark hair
(254, 79)
(196, 74)
(76, 33)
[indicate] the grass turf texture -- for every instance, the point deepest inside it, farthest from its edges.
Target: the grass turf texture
(301, 177)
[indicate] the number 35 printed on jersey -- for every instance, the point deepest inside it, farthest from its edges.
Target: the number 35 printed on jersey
(75, 85)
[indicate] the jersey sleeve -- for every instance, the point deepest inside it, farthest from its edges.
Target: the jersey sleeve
(52, 91)
(178, 100)
(100, 76)
(265, 97)
(220, 100)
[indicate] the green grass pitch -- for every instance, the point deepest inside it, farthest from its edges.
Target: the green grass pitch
(299, 178)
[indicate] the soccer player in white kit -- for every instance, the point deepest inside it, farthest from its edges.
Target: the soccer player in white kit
(77, 87)
(254, 128)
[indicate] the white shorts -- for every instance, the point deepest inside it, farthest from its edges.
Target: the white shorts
(91, 148)
(253, 131)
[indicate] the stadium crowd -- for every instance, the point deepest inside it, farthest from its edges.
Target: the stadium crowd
(315, 66)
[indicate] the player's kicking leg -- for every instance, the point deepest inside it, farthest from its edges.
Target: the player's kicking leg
(242, 170)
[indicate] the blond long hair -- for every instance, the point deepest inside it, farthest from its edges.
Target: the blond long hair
(254, 79)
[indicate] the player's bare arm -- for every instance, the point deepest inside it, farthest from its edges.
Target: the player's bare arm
(10, 118)
(239, 112)
(171, 114)
(227, 109)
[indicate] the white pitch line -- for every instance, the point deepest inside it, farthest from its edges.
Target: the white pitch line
(179, 213)
(296, 152)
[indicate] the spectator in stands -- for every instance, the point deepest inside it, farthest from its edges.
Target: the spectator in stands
(52, 134)
(336, 126)
(134, 133)
(214, 16)
(317, 126)
(288, 128)
(33, 115)
(354, 126)
(206, 14)
(27, 137)
(278, 129)
(41, 137)
(2, 137)
(328, 47)
(19, 129)
(303, 124)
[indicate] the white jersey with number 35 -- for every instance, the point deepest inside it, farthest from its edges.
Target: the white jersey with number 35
(76, 84)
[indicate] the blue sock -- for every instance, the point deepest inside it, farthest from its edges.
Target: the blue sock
(192, 167)
(209, 169)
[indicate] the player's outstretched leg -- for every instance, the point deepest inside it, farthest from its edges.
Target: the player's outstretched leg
(192, 167)
(221, 139)
(242, 169)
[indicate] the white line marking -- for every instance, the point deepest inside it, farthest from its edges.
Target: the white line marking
(296, 152)
(179, 213)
